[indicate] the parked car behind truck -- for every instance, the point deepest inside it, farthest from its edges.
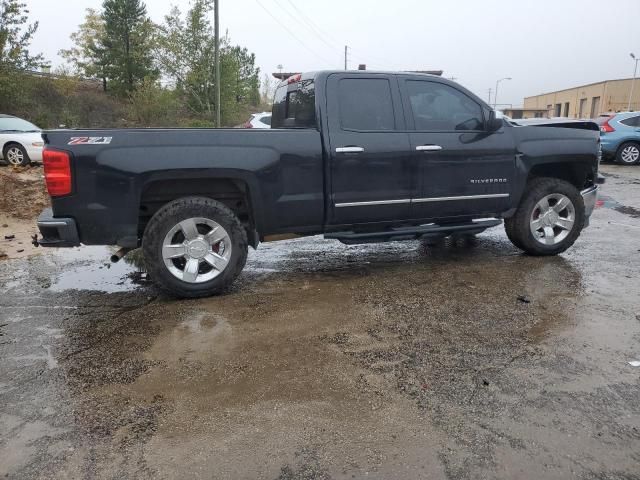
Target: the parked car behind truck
(620, 137)
(355, 156)
(20, 141)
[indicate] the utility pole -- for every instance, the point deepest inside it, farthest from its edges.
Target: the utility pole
(346, 53)
(635, 71)
(216, 26)
(489, 101)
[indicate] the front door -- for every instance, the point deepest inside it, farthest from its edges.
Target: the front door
(463, 170)
(371, 170)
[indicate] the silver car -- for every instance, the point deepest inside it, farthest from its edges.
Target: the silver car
(20, 141)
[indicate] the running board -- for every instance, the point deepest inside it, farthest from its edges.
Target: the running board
(412, 233)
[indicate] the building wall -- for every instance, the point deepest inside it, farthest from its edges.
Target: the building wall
(594, 99)
(519, 113)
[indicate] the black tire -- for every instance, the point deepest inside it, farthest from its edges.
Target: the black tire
(518, 227)
(629, 147)
(17, 149)
(168, 217)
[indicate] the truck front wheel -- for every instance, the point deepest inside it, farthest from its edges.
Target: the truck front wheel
(194, 247)
(549, 218)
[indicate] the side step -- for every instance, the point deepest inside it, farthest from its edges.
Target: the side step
(413, 233)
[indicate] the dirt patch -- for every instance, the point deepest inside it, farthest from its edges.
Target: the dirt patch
(23, 194)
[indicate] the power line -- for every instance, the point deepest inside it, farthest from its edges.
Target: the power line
(313, 27)
(292, 34)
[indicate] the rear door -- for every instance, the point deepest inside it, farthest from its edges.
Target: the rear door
(463, 170)
(371, 171)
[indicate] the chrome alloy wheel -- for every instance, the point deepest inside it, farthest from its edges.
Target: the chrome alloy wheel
(15, 156)
(196, 250)
(630, 154)
(552, 219)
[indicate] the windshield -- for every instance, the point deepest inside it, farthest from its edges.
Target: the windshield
(17, 125)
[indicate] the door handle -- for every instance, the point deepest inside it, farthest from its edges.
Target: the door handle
(349, 150)
(428, 148)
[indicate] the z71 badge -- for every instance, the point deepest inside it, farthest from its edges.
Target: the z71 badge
(89, 140)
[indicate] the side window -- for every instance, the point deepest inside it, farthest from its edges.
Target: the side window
(366, 104)
(266, 120)
(439, 107)
(631, 122)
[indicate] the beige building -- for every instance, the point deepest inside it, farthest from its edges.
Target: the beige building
(517, 113)
(588, 101)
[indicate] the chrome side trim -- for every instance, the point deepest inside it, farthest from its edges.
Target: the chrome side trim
(420, 200)
(376, 202)
(464, 197)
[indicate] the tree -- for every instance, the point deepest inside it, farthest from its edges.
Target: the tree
(88, 56)
(128, 44)
(15, 37)
(186, 56)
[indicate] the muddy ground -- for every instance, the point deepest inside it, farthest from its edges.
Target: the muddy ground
(22, 197)
(465, 360)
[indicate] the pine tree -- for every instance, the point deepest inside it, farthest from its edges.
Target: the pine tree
(128, 44)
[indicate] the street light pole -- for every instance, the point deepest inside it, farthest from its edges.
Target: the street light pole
(635, 70)
(495, 93)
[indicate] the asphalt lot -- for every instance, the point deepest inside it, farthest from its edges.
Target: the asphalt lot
(464, 360)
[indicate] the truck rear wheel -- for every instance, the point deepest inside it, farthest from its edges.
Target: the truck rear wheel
(194, 247)
(549, 218)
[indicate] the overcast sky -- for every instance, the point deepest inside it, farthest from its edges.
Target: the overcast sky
(544, 45)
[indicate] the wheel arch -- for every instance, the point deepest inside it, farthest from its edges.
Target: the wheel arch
(8, 143)
(238, 193)
(578, 174)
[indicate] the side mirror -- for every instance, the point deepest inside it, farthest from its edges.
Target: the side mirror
(496, 121)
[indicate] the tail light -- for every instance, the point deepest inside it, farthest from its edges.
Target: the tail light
(57, 172)
(248, 125)
(606, 128)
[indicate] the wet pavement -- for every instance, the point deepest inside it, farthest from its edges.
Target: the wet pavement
(461, 360)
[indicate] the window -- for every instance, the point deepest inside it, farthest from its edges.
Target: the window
(17, 125)
(439, 107)
(631, 122)
(265, 120)
(294, 106)
(566, 109)
(365, 104)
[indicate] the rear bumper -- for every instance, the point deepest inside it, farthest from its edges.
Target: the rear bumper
(35, 153)
(590, 197)
(57, 232)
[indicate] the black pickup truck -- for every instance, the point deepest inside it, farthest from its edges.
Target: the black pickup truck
(356, 156)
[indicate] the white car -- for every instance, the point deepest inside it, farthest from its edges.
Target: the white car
(20, 141)
(259, 120)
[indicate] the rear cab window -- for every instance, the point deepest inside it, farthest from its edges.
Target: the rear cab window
(294, 105)
(365, 104)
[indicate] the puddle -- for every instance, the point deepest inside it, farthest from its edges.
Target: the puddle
(608, 202)
(89, 268)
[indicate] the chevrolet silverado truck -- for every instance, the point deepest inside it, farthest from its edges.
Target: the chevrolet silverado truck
(355, 156)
